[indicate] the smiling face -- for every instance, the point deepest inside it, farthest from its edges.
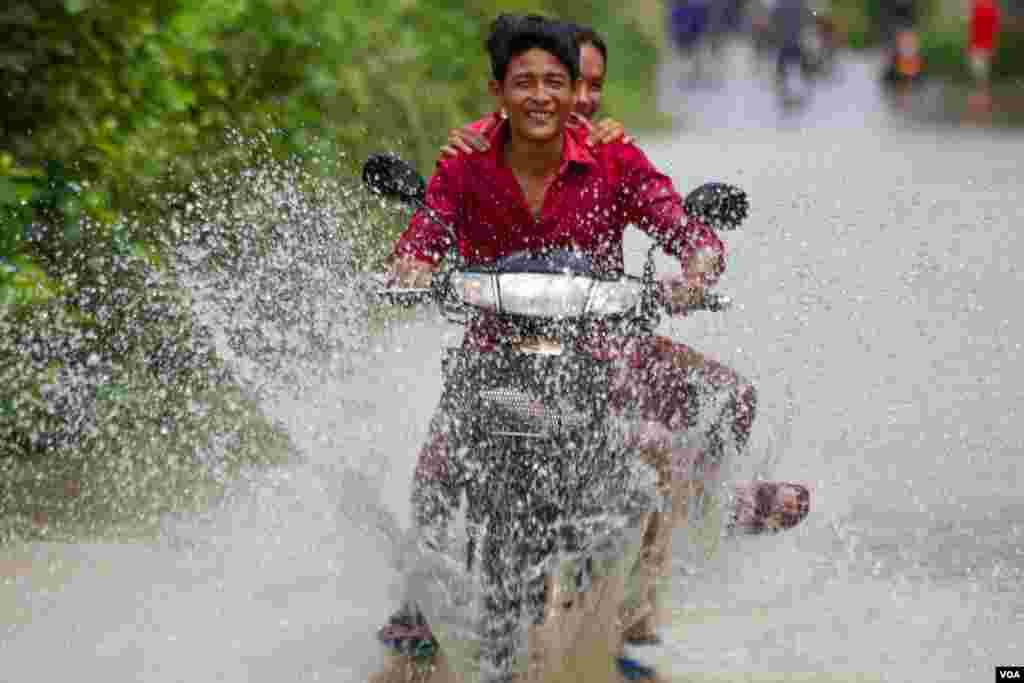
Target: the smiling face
(538, 94)
(591, 84)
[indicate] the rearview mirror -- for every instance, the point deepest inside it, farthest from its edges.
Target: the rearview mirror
(389, 176)
(720, 205)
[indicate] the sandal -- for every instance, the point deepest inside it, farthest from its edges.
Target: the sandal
(407, 633)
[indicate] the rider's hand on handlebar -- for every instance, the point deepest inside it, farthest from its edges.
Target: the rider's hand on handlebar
(409, 272)
(703, 267)
(682, 294)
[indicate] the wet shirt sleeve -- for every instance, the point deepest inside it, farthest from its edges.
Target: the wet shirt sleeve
(652, 204)
(424, 238)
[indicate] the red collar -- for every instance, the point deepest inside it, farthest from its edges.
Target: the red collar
(574, 151)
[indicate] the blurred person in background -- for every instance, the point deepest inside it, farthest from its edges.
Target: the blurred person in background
(721, 22)
(761, 30)
(982, 38)
(903, 53)
(825, 37)
(688, 24)
(789, 19)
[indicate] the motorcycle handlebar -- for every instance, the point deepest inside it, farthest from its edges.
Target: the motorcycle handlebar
(407, 296)
(712, 302)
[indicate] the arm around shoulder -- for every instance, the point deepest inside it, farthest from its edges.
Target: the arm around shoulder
(654, 206)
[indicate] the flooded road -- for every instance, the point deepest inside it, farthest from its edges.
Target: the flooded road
(877, 281)
(877, 276)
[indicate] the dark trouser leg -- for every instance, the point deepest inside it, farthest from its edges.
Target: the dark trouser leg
(790, 54)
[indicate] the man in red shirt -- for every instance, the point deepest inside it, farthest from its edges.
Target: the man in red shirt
(981, 44)
(745, 500)
(540, 186)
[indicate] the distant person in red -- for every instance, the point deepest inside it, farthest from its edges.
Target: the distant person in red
(983, 32)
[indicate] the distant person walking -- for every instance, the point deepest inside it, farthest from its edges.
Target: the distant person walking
(688, 25)
(904, 63)
(788, 18)
(983, 34)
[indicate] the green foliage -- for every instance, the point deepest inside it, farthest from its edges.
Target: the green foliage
(43, 213)
(109, 108)
(859, 21)
(133, 95)
(944, 49)
(864, 20)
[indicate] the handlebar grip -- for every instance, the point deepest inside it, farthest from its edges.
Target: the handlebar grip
(721, 205)
(712, 303)
(716, 302)
(411, 296)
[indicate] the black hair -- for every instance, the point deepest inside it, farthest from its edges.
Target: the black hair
(513, 34)
(586, 35)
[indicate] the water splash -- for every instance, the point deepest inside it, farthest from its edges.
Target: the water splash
(150, 375)
(268, 259)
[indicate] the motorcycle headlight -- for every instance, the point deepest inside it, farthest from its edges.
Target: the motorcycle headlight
(614, 297)
(543, 295)
(546, 295)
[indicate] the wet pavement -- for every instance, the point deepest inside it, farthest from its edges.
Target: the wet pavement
(739, 93)
(877, 281)
(876, 277)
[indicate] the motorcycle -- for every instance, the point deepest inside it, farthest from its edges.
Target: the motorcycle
(820, 40)
(555, 496)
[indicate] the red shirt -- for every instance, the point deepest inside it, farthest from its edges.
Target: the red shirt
(984, 25)
(598, 192)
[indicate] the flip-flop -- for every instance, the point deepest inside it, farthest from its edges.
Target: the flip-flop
(633, 670)
(408, 633)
